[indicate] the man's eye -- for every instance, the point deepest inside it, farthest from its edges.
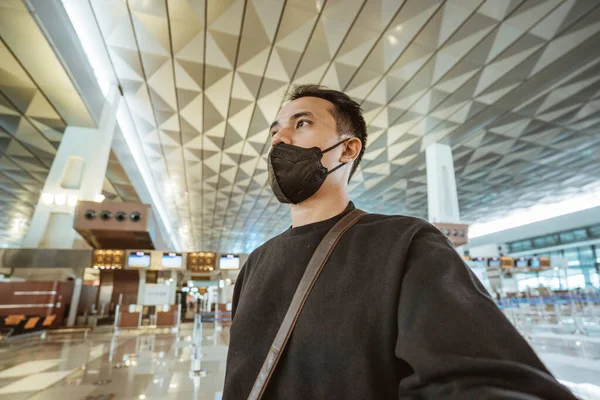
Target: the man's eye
(273, 133)
(302, 123)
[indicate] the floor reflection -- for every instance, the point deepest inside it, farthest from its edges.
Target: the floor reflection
(159, 364)
(132, 365)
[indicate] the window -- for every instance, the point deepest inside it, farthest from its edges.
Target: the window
(567, 237)
(580, 234)
(595, 230)
(572, 257)
(576, 281)
(586, 256)
(595, 279)
(556, 239)
(516, 246)
(551, 240)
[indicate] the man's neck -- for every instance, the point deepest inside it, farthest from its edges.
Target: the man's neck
(319, 209)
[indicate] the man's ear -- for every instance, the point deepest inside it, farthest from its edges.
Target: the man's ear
(351, 150)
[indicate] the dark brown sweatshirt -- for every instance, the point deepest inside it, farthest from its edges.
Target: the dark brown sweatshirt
(395, 314)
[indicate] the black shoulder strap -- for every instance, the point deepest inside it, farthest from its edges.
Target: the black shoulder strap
(313, 270)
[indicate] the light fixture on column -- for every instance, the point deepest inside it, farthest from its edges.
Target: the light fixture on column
(47, 199)
(99, 198)
(72, 200)
(60, 199)
(17, 225)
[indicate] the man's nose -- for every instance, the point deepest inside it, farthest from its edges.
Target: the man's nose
(283, 135)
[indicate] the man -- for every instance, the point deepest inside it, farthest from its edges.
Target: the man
(395, 312)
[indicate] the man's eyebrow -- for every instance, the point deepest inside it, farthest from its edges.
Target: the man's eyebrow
(295, 116)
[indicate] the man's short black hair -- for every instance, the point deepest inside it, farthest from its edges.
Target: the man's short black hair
(347, 113)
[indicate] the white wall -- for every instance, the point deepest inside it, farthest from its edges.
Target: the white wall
(488, 250)
(574, 220)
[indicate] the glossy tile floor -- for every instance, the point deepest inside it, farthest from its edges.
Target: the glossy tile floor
(146, 365)
(132, 365)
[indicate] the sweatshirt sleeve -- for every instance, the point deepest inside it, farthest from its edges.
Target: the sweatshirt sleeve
(457, 342)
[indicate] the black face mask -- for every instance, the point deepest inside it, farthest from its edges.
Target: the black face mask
(296, 173)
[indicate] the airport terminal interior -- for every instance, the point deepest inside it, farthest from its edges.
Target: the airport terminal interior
(134, 143)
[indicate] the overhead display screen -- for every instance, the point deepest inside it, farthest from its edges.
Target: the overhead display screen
(520, 262)
(493, 262)
(139, 259)
(171, 260)
(535, 262)
(479, 261)
(229, 261)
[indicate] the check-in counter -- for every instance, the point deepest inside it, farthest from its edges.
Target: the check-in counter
(132, 316)
(128, 316)
(167, 315)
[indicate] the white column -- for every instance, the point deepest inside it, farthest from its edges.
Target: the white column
(75, 301)
(77, 172)
(442, 197)
(173, 293)
(141, 287)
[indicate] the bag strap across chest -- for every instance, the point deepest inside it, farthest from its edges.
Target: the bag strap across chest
(313, 270)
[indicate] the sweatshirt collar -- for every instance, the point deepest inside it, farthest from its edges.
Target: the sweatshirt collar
(318, 226)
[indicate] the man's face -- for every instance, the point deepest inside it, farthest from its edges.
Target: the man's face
(308, 122)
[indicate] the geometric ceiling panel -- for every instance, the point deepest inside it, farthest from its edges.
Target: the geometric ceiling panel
(37, 102)
(513, 88)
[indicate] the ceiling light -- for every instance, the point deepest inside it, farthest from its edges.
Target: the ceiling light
(47, 199)
(99, 198)
(398, 28)
(60, 199)
(17, 225)
(392, 39)
(72, 201)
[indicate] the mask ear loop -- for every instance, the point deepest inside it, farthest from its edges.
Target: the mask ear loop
(334, 146)
(331, 148)
(336, 168)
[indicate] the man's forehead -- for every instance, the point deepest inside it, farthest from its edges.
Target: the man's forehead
(315, 105)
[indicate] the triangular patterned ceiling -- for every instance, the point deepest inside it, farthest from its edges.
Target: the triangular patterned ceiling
(424, 72)
(37, 102)
(512, 86)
